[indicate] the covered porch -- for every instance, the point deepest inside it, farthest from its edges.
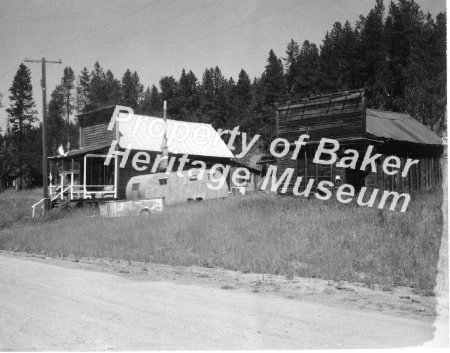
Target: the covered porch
(82, 175)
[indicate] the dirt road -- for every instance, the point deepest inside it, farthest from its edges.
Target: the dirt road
(49, 307)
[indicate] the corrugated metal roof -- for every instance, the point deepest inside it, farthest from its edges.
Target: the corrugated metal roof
(199, 140)
(400, 127)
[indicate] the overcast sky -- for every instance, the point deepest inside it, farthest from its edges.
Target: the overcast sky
(158, 38)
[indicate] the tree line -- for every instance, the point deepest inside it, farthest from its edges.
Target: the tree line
(397, 54)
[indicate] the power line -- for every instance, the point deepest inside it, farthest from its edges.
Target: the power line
(230, 28)
(97, 29)
(164, 21)
(226, 29)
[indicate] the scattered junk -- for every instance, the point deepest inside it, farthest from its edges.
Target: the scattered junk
(101, 170)
(345, 118)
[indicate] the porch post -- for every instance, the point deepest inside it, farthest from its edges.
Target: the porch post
(84, 179)
(116, 172)
(71, 180)
(50, 179)
(62, 182)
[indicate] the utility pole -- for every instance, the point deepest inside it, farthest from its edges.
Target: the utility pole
(44, 125)
(164, 147)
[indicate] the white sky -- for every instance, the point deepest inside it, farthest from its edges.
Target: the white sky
(158, 38)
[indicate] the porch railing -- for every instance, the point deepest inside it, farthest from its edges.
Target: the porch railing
(85, 192)
(61, 194)
(36, 204)
(74, 192)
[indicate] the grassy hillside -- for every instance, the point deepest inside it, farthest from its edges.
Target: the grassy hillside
(259, 233)
(15, 206)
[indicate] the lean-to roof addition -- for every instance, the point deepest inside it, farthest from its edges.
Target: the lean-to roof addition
(399, 127)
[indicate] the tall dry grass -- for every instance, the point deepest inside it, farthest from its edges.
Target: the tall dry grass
(260, 233)
(15, 206)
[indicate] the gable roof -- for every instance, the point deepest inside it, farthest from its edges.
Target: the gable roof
(146, 133)
(400, 127)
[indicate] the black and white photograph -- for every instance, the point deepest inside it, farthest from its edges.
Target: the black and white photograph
(222, 175)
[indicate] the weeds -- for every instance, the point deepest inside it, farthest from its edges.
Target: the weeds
(259, 233)
(15, 206)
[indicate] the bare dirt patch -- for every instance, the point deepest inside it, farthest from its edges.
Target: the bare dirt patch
(402, 301)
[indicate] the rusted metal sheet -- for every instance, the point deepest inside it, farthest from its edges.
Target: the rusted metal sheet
(399, 127)
(131, 207)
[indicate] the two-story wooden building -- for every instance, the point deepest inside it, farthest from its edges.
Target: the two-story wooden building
(345, 118)
(82, 173)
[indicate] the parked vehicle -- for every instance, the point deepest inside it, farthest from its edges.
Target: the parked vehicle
(117, 208)
(176, 189)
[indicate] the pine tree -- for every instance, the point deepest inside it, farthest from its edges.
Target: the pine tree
(188, 100)
(132, 90)
(240, 102)
(214, 98)
(270, 89)
(145, 105)
(155, 99)
(113, 88)
(99, 92)
(151, 103)
(21, 113)
(1, 106)
(67, 87)
(337, 59)
(56, 123)
(243, 91)
(290, 63)
(437, 79)
(373, 56)
(83, 87)
(273, 81)
(306, 70)
(348, 61)
(168, 86)
(403, 26)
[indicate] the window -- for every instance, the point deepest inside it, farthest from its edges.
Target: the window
(193, 175)
(162, 181)
(135, 187)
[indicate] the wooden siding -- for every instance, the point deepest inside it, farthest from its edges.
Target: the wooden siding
(282, 164)
(344, 118)
(425, 175)
(331, 119)
(94, 129)
(422, 176)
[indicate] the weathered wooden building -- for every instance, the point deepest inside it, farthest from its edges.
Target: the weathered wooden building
(344, 117)
(82, 173)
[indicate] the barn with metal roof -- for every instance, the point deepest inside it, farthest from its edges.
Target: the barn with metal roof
(344, 117)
